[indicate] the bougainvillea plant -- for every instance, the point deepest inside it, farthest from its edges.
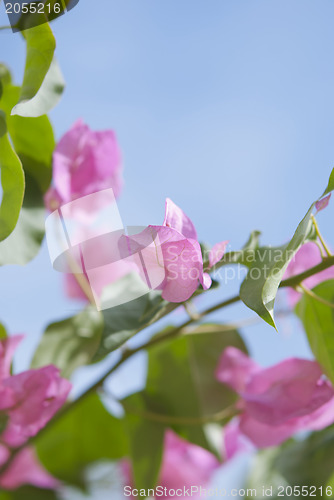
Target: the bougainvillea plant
(205, 400)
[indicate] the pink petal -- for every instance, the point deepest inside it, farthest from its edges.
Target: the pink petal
(98, 279)
(216, 253)
(206, 281)
(25, 469)
(288, 390)
(180, 259)
(85, 162)
(323, 203)
(184, 270)
(234, 441)
(308, 256)
(39, 394)
(185, 464)
(265, 435)
(178, 220)
(52, 199)
(320, 418)
(235, 369)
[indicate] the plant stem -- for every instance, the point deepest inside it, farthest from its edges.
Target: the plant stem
(293, 282)
(228, 412)
(315, 296)
(317, 230)
(162, 337)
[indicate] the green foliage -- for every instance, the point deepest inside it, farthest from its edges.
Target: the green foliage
(244, 257)
(123, 321)
(3, 332)
(33, 139)
(146, 439)
(28, 493)
(318, 321)
(182, 394)
(86, 434)
(258, 290)
(42, 81)
(12, 182)
(70, 343)
(187, 366)
(24, 242)
(34, 143)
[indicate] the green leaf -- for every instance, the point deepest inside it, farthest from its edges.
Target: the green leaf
(3, 332)
(29, 493)
(26, 133)
(47, 96)
(181, 387)
(123, 321)
(186, 366)
(70, 343)
(258, 290)
(5, 76)
(23, 244)
(86, 434)
(41, 45)
(36, 157)
(318, 321)
(145, 441)
(12, 181)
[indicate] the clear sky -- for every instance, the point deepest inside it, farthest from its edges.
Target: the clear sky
(227, 107)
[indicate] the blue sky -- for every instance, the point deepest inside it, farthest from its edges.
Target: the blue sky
(226, 107)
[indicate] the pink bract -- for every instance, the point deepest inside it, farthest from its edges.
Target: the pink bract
(279, 401)
(25, 469)
(183, 465)
(29, 400)
(84, 162)
(307, 256)
(323, 203)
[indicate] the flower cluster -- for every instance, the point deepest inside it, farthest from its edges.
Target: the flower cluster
(84, 162)
(279, 401)
(273, 403)
(28, 401)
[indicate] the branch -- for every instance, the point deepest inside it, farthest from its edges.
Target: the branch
(293, 282)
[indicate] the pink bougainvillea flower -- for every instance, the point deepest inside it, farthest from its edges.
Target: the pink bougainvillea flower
(308, 256)
(178, 220)
(176, 250)
(277, 402)
(323, 203)
(32, 397)
(183, 465)
(170, 259)
(25, 469)
(38, 395)
(84, 162)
